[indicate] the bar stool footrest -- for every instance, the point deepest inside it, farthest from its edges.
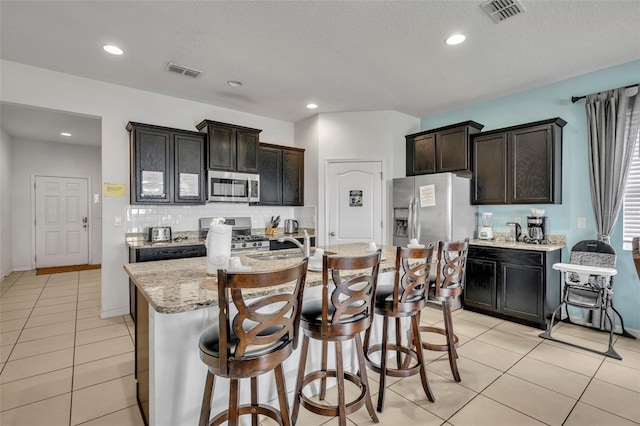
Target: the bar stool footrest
(259, 409)
(433, 346)
(332, 410)
(393, 372)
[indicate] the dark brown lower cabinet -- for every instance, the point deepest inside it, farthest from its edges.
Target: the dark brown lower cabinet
(513, 284)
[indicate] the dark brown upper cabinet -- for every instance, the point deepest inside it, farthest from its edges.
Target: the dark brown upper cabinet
(281, 175)
(167, 165)
(230, 147)
(519, 165)
(445, 149)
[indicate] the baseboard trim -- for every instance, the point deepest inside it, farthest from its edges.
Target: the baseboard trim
(114, 313)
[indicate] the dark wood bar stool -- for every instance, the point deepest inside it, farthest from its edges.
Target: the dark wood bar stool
(346, 310)
(405, 298)
(257, 339)
(449, 283)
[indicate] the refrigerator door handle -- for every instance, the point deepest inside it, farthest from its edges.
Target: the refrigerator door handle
(416, 218)
(410, 220)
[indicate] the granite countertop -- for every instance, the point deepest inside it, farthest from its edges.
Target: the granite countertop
(556, 242)
(180, 285)
(139, 240)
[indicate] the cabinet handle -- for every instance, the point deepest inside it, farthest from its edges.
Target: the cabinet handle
(333, 234)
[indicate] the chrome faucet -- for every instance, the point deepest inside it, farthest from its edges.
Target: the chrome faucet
(306, 248)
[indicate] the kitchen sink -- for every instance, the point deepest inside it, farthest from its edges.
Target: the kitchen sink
(283, 255)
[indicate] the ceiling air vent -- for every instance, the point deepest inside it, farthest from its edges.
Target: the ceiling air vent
(499, 10)
(179, 69)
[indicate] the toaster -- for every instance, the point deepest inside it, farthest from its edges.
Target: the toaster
(159, 233)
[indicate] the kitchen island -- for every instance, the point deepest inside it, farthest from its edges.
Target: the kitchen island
(176, 302)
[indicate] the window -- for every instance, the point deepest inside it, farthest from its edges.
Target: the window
(631, 207)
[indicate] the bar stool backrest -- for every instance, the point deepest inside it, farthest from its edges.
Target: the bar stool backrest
(348, 308)
(412, 274)
(452, 261)
(264, 324)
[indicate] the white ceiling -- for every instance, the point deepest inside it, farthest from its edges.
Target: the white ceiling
(342, 55)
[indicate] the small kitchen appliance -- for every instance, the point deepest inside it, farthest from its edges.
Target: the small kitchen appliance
(241, 237)
(486, 232)
(536, 227)
(514, 231)
(157, 234)
(290, 226)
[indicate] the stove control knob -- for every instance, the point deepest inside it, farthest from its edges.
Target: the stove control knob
(233, 246)
(255, 244)
(244, 244)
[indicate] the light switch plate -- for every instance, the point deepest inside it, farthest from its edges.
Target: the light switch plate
(118, 221)
(582, 222)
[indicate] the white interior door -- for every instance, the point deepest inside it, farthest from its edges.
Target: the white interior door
(62, 225)
(353, 200)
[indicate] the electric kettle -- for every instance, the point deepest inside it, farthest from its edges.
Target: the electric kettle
(290, 226)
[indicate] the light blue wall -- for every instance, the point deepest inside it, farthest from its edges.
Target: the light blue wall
(551, 101)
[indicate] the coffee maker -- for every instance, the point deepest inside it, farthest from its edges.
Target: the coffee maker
(536, 227)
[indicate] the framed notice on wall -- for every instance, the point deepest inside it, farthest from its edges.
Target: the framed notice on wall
(355, 198)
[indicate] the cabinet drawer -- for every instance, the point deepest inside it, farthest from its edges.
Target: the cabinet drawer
(521, 257)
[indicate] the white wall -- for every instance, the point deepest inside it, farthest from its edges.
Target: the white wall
(5, 204)
(116, 105)
(29, 158)
(376, 135)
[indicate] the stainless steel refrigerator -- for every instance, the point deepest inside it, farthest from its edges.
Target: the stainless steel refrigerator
(433, 208)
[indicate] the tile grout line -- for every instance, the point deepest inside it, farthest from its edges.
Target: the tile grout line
(73, 357)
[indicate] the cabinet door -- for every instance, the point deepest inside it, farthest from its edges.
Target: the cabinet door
(222, 148)
(480, 284)
(292, 177)
(151, 166)
(452, 150)
(247, 151)
(421, 156)
(489, 169)
(270, 176)
(522, 291)
(189, 166)
(531, 165)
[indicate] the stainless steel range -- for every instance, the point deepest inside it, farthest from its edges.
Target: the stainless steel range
(241, 238)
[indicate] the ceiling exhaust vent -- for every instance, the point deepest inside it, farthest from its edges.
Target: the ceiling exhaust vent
(179, 69)
(499, 10)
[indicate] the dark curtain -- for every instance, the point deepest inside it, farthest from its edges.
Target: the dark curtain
(613, 118)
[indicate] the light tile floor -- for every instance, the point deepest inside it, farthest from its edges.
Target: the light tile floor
(62, 365)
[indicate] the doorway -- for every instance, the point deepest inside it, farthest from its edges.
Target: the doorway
(61, 221)
(353, 201)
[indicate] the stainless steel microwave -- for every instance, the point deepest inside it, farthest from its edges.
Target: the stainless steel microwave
(233, 187)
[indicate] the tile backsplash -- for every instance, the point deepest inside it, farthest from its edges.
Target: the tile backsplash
(185, 218)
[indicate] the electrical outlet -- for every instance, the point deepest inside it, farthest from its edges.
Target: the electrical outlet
(582, 222)
(518, 220)
(118, 221)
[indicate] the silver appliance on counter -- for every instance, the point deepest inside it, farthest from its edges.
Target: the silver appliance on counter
(241, 237)
(433, 208)
(233, 187)
(290, 226)
(157, 234)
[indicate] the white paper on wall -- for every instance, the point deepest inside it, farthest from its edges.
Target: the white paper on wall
(427, 195)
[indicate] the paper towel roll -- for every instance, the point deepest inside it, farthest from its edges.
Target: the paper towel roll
(218, 247)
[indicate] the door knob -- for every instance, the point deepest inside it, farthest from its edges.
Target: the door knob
(333, 234)
(84, 222)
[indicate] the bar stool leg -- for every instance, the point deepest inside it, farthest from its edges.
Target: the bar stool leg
(254, 400)
(340, 379)
(301, 368)
(415, 324)
(323, 368)
(364, 379)
(398, 343)
(281, 385)
(383, 363)
(234, 412)
(206, 399)
(448, 326)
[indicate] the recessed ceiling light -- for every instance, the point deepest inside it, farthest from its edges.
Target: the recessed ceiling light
(114, 50)
(312, 106)
(455, 39)
(67, 134)
(234, 83)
